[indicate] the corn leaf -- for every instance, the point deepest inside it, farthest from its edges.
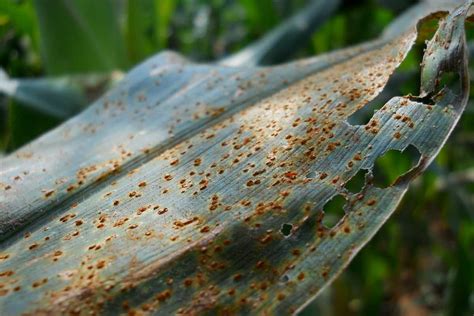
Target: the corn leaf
(61, 97)
(65, 96)
(193, 188)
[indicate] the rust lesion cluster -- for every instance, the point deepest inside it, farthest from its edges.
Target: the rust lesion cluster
(275, 162)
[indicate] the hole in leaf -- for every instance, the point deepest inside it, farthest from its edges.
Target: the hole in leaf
(393, 164)
(428, 28)
(334, 210)
(448, 79)
(364, 114)
(286, 229)
(451, 81)
(357, 182)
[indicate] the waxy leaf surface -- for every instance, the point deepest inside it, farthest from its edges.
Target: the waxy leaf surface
(195, 188)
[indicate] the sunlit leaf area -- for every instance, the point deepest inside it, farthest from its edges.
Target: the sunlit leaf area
(236, 157)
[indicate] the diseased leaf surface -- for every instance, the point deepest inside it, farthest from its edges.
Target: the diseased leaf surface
(195, 188)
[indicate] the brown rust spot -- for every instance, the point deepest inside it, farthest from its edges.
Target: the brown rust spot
(162, 211)
(70, 188)
(120, 221)
(7, 273)
(101, 264)
(296, 252)
(281, 296)
(67, 217)
(237, 277)
(174, 162)
(48, 193)
(4, 256)
(33, 246)
(163, 296)
(205, 229)
(179, 224)
(39, 283)
(133, 226)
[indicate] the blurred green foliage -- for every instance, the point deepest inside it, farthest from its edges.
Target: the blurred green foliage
(80, 36)
(422, 260)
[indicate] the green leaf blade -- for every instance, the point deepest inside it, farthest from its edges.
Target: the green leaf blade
(80, 36)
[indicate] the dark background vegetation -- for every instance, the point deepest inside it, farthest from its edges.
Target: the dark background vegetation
(422, 260)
